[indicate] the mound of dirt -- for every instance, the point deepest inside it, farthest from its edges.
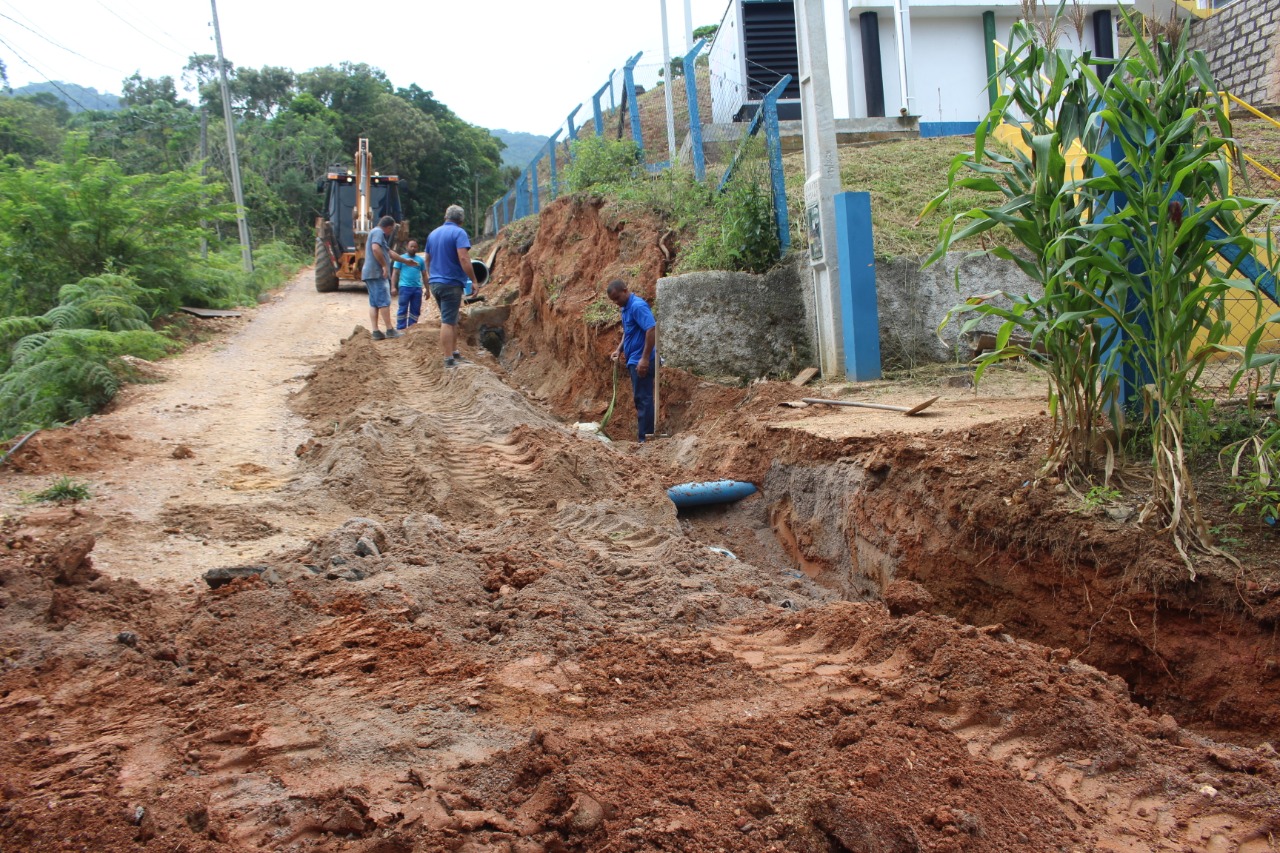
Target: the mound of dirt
(72, 450)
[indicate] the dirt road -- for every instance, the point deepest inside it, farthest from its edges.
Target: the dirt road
(479, 630)
(199, 470)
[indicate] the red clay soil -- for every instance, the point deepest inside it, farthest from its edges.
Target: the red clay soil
(513, 643)
(954, 511)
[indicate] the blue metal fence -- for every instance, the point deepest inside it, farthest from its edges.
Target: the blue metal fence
(525, 198)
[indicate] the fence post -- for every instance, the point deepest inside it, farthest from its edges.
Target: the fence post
(522, 195)
(695, 121)
(628, 74)
(551, 152)
(595, 106)
(573, 131)
(613, 102)
(533, 170)
(773, 141)
(858, 306)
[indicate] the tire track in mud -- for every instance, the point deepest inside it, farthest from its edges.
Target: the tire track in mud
(449, 435)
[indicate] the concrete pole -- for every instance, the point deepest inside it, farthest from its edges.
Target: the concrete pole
(822, 181)
(688, 26)
(902, 23)
(666, 85)
(242, 222)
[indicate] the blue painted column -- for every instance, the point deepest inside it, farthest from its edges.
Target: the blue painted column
(860, 313)
(773, 144)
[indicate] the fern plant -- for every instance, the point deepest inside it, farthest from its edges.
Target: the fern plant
(66, 363)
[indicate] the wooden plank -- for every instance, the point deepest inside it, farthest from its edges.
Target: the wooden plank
(209, 313)
(804, 376)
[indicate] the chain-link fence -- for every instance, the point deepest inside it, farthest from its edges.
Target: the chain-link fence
(1257, 174)
(629, 104)
(632, 104)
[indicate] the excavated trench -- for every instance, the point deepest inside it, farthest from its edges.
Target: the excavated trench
(911, 526)
(949, 511)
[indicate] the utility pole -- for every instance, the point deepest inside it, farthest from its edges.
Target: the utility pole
(666, 85)
(246, 252)
(204, 170)
(688, 26)
(822, 181)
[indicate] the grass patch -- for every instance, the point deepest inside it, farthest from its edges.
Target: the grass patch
(902, 177)
(63, 489)
(601, 312)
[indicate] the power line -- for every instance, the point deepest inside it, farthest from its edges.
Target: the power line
(131, 26)
(60, 46)
(24, 61)
(162, 31)
(65, 93)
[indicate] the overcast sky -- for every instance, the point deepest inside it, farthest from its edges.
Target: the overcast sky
(512, 64)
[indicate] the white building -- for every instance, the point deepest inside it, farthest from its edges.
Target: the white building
(925, 58)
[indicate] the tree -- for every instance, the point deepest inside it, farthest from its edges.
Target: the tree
(707, 32)
(143, 91)
(261, 92)
(32, 127)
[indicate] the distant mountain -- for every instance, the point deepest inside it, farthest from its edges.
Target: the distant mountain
(521, 147)
(87, 98)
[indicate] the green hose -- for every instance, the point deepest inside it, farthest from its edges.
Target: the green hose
(608, 413)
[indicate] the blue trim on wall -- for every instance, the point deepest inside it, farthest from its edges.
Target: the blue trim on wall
(932, 129)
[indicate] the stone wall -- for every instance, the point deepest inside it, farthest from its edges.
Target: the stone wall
(726, 324)
(913, 302)
(736, 324)
(1242, 43)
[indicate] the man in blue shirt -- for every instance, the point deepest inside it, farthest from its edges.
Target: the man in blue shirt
(448, 255)
(407, 278)
(376, 273)
(639, 335)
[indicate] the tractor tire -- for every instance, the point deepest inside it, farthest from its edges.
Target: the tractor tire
(326, 275)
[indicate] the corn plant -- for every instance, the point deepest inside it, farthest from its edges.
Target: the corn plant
(1130, 284)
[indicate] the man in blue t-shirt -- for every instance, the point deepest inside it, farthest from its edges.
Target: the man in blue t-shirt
(376, 273)
(448, 254)
(407, 278)
(639, 336)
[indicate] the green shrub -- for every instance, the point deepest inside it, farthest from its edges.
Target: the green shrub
(739, 235)
(84, 216)
(599, 162)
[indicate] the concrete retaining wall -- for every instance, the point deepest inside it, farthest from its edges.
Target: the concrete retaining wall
(737, 324)
(746, 326)
(1242, 44)
(913, 302)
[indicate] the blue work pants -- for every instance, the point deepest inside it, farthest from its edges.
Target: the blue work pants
(409, 307)
(642, 393)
